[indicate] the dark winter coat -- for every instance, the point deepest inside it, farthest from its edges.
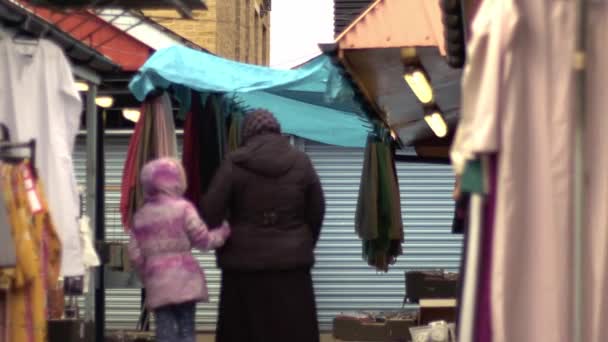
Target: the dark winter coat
(272, 197)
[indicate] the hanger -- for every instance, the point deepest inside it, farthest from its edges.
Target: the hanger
(25, 36)
(6, 147)
(6, 134)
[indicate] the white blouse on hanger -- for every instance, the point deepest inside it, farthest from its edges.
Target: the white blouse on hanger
(39, 100)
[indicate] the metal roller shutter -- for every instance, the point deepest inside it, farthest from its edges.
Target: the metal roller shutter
(343, 282)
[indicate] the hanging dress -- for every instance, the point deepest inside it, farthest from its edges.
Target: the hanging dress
(38, 254)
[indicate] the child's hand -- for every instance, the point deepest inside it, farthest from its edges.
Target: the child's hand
(225, 231)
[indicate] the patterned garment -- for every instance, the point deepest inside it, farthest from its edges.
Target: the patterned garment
(175, 323)
(38, 253)
(164, 232)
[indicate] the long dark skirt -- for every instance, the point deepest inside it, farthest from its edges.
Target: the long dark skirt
(276, 306)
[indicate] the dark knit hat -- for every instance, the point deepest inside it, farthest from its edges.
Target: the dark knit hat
(258, 122)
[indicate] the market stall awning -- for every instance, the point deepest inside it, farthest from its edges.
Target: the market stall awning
(122, 48)
(314, 101)
(20, 19)
(396, 23)
(371, 50)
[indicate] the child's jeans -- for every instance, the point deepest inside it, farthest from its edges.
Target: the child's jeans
(175, 323)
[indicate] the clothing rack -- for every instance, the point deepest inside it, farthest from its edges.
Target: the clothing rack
(7, 148)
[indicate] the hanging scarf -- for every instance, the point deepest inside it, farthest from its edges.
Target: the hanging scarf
(154, 137)
(378, 220)
(234, 132)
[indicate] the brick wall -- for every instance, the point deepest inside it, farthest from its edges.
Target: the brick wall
(227, 28)
(241, 38)
(202, 30)
(232, 29)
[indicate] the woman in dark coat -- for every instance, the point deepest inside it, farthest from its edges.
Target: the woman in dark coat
(271, 195)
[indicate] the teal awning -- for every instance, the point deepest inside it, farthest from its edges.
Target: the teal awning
(314, 101)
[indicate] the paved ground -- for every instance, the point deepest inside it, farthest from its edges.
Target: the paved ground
(210, 338)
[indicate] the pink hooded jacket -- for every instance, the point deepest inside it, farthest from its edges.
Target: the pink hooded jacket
(164, 231)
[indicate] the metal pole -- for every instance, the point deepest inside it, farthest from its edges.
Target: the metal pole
(100, 234)
(91, 167)
(95, 200)
(468, 302)
(579, 171)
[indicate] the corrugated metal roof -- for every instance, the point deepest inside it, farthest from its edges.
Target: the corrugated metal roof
(184, 7)
(121, 47)
(346, 11)
(12, 14)
(145, 29)
(396, 23)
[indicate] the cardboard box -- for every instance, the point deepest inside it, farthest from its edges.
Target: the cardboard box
(430, 284)
(71, 330)
(399, 329)
(432, 310)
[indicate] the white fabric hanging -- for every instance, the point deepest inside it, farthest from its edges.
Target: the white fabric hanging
(39, 100)
(89, 254)
(518, 91)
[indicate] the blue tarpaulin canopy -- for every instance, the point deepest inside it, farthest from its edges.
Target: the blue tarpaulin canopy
(314, 101)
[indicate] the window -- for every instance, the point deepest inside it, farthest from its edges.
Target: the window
(256, 29)
(237, 24)
(247, 31)
(264, 45)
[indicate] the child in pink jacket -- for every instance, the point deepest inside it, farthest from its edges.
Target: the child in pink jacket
(164, 231)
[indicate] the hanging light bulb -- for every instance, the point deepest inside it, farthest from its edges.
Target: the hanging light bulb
(437, 124)
(420, 85)
(104, 101)
(131, 114)
(82, 86)
(393, 134)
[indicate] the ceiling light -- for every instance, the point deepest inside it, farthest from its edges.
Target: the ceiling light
(104, 101)
(408, 53)
(131, 114)
(82, 86)
(420, 85)
(437, 124)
